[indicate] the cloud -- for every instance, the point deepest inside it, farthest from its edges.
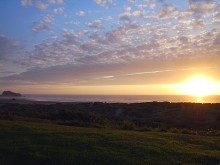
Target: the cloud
(169, 70)
(150, 72)
(134, 43)
(152, 5)
(117, 52)
(26, 3)
(160, 1)
(62, 73)
(141, 6)
(80, 13)
(200, 1)
(41, 5)
(59, 10)
(54, 52)
(48, 18)
(128, 8)
(7, 72)
(107, 77)
(127, 38)
(125, 17)
(72, 23)
(70, 38)
(52, 1)
(184, 15)
(122, 44)
(7, 47)
(40, 26)
(167, 12)
(93, 74)
(137, 13)
(183, 40)
(202, 8)
(216, 17)
(95, 24)
(105, 3)
(195, 24)
(60, 1)
(83, 32)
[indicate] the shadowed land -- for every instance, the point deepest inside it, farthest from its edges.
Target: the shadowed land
(110, 133)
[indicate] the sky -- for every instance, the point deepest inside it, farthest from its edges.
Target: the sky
(107, 46)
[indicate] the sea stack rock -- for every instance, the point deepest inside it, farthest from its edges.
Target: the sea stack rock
(10, 94)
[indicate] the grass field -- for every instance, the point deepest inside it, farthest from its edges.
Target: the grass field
(23, 142)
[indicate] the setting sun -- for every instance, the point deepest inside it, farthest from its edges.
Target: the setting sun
(199, 86)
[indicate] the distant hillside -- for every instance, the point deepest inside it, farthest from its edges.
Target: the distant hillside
(10, 94)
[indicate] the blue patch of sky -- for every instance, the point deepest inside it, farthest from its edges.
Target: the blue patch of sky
(18, 22)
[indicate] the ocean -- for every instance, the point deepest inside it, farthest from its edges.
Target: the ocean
(124, 98)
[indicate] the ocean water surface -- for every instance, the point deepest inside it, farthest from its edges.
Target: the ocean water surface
(124, 98)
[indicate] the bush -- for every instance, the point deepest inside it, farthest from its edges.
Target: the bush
(186, 131)
(174, 130)
(128, 125)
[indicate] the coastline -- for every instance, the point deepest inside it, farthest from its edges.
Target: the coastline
(26, 100)
(22, 100)
(115, 98)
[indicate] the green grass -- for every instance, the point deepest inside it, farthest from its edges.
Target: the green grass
(45, 143)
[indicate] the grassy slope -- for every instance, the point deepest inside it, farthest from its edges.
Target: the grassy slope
(44, 143)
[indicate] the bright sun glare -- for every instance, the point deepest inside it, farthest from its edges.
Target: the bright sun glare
(199, 86)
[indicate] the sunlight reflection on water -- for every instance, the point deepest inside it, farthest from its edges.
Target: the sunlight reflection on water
(199, 99)
(125, 99)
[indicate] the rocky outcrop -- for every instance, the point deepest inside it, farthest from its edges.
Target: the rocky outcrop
(10, 94)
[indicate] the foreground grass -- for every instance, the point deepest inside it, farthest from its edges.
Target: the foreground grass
(44, 143)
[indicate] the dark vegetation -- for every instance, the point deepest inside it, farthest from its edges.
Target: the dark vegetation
(110, 133)
(194, 117)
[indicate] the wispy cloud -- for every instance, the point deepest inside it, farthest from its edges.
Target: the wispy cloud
(95, 24)
(7, 47)
(41, 5)
(26, 3)
(114, 33)
(48, 18)
(58, 10)
(80, 13)
(60, 1)
(169, 70)
(167, 12)
(40, 26)
(97, 74)
(151, 72)
(202, 8)
(105, 77)
(105, 3)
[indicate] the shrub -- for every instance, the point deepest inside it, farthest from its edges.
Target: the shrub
(186, 131)
(174, 130)
(128, 125)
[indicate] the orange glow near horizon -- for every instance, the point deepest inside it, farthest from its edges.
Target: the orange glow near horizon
(195, 86)
(156, 89)
(199, 86)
